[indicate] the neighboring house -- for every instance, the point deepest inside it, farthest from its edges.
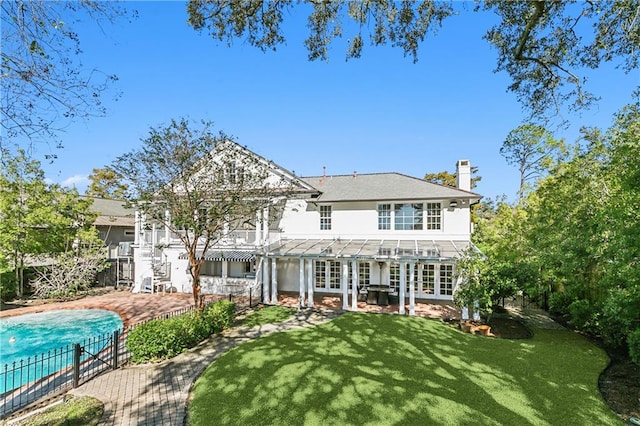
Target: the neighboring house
(115, 224)
(370, 235)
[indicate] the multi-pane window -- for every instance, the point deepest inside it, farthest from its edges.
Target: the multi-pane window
(429, 279)
(320, 273)
(325, 217)
(384, 216)
(446, 280)
(433, 215)
(235, 174)
(364, 273)
(328, 274)
(408, 216)
(394, 277)
(335, 274)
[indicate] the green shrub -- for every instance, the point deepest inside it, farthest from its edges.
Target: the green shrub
(633, 340)
(559, 302)
(620, 313)
(583, 315)
(166, 338)
(8, 285)
(220, 315)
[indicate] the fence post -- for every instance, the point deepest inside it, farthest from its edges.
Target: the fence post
(76, 364)
(250, 301)
(115, 350)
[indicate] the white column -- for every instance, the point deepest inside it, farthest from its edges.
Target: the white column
(403, 284)
(310, 283)
(225, 272)
(345, 285)
(274, 282)
(265, 224)
(412, 289)
(265, 281)
(354, 285)
(302, 277)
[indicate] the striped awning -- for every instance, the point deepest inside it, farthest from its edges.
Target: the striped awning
(228, 255)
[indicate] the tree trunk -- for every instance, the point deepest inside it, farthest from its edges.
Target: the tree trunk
(196, 288)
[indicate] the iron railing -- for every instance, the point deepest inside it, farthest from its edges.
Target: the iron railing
(47, 375)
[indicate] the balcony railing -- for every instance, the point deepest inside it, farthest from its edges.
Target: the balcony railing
(234, 238)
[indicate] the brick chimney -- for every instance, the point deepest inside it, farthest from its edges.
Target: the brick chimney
(463, 175)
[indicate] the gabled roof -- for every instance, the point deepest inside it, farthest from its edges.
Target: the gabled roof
(298, 185)
(111, 212)
(383, 187)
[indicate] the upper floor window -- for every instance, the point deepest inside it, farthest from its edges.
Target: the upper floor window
(325, 218)
(434, 215)
(235, 174)
(384, 216)
(408, 216)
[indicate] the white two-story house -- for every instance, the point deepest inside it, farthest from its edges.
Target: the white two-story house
(379, 238)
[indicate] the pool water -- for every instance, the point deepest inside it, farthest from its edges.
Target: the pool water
(25, 336)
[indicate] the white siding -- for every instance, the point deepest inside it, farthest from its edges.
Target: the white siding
(359, 220)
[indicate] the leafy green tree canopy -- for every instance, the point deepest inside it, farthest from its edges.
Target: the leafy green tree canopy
(534, 151)
(106, 183)
(542, 45)
(198, 184)
(38, 219)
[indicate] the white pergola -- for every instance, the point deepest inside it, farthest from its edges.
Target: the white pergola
(405, 252)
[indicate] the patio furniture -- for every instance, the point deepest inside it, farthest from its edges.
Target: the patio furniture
(378, 295)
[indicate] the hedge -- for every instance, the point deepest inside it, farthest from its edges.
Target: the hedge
(165, 338)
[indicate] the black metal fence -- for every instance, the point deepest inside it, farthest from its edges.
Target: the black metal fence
(47, 375)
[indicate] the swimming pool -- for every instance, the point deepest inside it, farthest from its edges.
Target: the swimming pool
(30, 335)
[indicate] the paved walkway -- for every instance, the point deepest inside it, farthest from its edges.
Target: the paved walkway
(156, 394)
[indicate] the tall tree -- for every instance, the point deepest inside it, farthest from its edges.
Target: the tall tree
(106, 183)
(44, 83)
(534, 151)
(198, 184)
(543, 45)
(37, 218)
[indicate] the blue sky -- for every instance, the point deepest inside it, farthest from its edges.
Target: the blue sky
(379, 113)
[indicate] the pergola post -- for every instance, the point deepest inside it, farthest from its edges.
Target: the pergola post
(302, 286)
(345, 285)
(354, 285)
(412, 289)
(265, 281)
(310, 283)
(403, 285)
(274, 282)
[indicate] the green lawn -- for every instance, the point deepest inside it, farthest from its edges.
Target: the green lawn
(388, 369)
(268, 315)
